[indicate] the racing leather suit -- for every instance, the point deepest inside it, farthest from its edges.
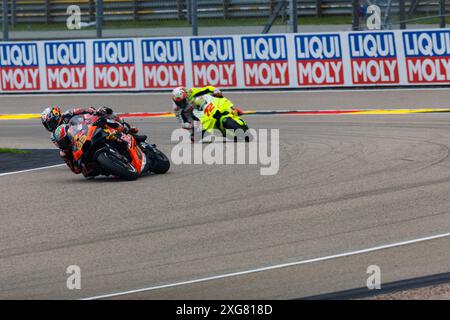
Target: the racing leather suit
(65, 148)
(65, 153)
(185, 116)
(69, 114)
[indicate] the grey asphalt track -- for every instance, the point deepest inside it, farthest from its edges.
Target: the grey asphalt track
(346, 182)
(11, 162)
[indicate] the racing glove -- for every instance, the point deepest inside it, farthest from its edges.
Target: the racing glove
(217, 93)
(186, 125)
(91, 110)
(105, 110)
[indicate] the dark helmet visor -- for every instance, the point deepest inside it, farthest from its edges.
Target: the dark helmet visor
(51, 124)
(181, 104)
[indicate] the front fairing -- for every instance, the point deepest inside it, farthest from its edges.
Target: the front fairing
(138, 157)
(214, 107)
(206, 111)
(79, 132)
(78, 136)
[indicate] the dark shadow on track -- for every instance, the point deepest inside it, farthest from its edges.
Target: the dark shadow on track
(10, 162)
(396, 286)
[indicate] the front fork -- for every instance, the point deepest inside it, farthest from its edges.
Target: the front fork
(196, 131)
(150, 152)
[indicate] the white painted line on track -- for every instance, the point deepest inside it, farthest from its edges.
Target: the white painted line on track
(237, 91)
(29, 170)
(273, 267)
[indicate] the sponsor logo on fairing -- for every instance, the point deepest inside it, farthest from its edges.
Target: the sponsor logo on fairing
(427, 56)
(265, 61)
(319, 59)
(373, 58)
(19, 67)
(65, 65)
(163, 63)
(213, 62)
(114, 66)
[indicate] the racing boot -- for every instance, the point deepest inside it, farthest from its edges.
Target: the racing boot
(139, 138)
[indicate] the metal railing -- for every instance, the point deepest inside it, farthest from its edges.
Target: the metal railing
(403, 12)
(49, 11)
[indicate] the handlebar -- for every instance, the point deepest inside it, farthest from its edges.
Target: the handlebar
(101, 121)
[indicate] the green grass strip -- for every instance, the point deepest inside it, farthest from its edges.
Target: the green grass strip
(15, 151)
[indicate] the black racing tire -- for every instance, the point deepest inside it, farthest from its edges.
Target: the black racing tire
(160, 162)
(229, 123)
(116, 166)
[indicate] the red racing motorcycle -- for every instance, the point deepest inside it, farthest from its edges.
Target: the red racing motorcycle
(103, 145)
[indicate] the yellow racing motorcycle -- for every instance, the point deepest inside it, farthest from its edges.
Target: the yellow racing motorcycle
(219, 114)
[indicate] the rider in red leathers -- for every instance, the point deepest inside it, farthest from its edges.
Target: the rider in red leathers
(58, 123)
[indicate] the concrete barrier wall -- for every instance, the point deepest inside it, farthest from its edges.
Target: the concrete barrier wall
(341, 59)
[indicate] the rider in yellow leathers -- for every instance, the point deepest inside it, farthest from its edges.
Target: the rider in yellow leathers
(183, 107)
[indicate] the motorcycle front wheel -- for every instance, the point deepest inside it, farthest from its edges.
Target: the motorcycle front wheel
(159, 163)
(116, 165)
